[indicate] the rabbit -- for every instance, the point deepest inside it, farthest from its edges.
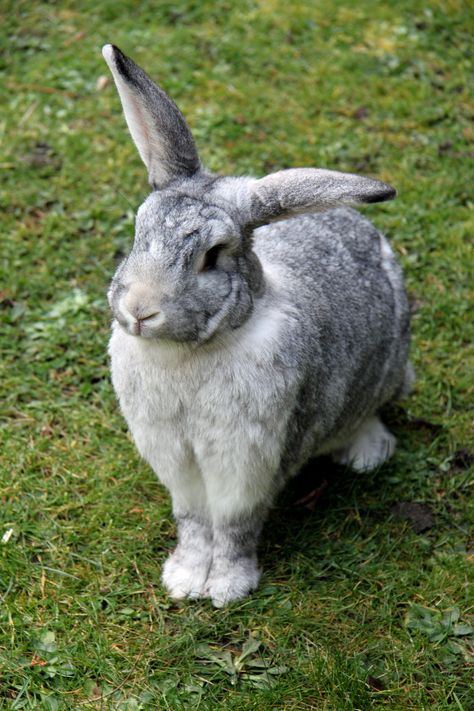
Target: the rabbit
(258, 322)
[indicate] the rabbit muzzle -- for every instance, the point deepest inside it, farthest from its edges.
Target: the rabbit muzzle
(139, 312)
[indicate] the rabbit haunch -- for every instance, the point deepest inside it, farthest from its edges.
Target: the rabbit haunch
(248, 337)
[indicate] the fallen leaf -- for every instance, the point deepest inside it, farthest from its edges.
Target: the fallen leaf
(375, 683)
(310, 500)
(75, 38)
(360, 113)
(102, 82)
(37, 661)
(419, 515)
(462, 460)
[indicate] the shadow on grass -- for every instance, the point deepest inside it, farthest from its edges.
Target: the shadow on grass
(329, 519)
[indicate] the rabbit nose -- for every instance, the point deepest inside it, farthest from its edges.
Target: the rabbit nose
(139, 304)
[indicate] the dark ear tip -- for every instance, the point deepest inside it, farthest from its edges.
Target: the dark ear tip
(382, 193)
(118, 61)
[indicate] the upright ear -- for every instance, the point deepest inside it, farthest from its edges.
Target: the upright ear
(290, 192)
(163, 139)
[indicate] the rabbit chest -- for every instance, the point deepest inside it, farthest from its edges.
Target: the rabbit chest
(184, 405)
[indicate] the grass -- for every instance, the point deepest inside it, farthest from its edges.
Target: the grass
(355, 609)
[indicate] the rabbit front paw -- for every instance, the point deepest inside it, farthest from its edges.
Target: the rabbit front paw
(230, 580)
(185, 574)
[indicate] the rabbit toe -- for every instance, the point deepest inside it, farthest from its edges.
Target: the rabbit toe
(184, 576)
(232, 581)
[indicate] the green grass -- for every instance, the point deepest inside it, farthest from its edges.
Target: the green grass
(355, 609)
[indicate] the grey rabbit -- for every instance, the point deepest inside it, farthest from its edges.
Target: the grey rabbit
(257, 323)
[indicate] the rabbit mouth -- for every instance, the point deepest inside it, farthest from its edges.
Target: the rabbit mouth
(137, 317)
(148, 327)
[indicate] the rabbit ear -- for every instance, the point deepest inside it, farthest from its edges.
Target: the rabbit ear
(163, 139)
(290, 192)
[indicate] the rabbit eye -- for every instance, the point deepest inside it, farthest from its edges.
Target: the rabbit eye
(211, 257)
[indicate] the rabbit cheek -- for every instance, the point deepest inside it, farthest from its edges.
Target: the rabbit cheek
(225, 302)
(241, 308)
(114, 297)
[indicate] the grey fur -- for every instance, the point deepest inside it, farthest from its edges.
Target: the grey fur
(174, 152)
(289, 192)
(192, 556)
(238, 352)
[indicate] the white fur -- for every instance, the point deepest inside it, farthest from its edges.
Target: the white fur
(185, 579)
(187, 569)
(198, 412)
(204, 420)
(231, 582)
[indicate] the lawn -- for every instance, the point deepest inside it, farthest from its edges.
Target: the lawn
(367, 600)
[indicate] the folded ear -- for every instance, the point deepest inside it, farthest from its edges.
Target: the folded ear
(158, 128)
(291, 192)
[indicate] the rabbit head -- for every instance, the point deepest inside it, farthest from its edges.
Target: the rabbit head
(192, 272)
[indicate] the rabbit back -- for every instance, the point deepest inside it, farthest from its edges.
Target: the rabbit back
(353, 335)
